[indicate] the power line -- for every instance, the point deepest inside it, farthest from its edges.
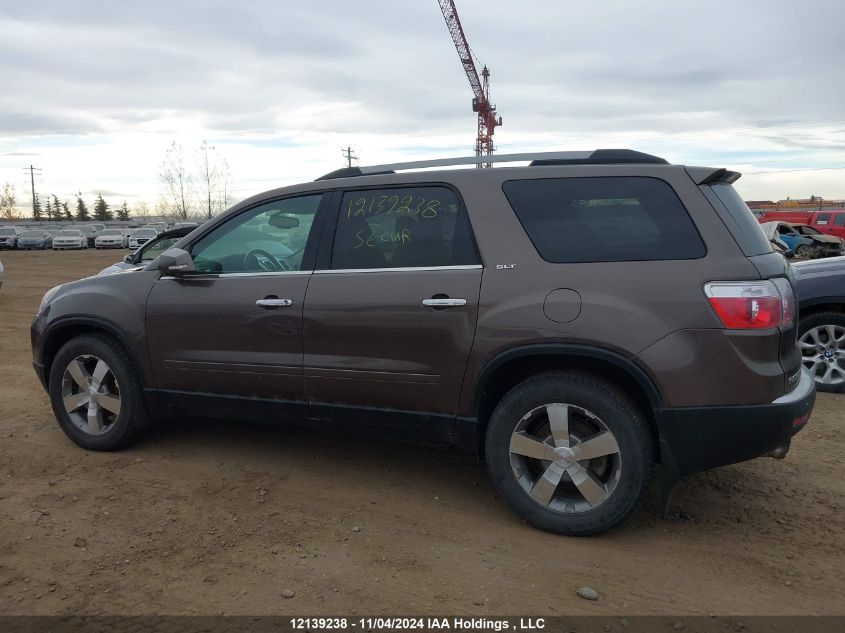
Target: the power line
(32, 171)
(348, 155)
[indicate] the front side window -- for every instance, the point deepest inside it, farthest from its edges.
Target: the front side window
(839, 220)
(154, 249)
(604, 219)
(268, 238)
(401, 228)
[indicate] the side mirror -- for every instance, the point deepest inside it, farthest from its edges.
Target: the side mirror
(175, 261)
(129, 259)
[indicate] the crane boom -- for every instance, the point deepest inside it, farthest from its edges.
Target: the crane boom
(487, 119)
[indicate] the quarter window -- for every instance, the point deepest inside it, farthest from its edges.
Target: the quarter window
(605, 219)
(402, 227)
(268, 238)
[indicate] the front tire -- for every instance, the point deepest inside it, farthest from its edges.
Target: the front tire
(96, 394)
(570, 453)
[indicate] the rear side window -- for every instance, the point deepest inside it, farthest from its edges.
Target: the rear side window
(401, 228)
(606, 219)
(742, 224)
(823, 218)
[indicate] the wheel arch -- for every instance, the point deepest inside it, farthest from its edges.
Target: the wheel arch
(824, 304)
(513, 366)
(64, 329)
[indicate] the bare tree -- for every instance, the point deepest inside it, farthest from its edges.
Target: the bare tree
(7, 201)
(177, 182)
(214, 180)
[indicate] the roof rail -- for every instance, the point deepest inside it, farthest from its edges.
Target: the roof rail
(589, 157)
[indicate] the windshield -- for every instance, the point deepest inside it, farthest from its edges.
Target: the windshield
(110, 232)
(808, 230)
(32, 234)
(145, 233)
(70, 233)
(7, 231)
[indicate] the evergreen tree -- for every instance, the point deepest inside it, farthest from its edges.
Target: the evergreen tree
(101, 210)
(68, 214)
(57, 208)
(36, 209)
(48, 209)
(123, 212)
(81, 209)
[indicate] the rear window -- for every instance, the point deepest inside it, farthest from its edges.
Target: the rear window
(740, 221)
(604, 219)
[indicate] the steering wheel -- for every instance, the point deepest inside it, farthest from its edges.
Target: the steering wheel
(262, 260)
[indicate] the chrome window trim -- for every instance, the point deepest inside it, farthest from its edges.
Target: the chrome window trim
(200, 276)
(334, 271)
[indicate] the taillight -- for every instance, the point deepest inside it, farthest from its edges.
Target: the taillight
(744, 305)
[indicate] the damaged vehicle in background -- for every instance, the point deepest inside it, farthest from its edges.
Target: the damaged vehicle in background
(807, 246)
(825, 245)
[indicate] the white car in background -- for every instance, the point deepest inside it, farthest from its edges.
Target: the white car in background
(141, 237)
(69, 238)
(111, 238)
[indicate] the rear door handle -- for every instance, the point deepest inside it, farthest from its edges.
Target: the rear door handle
(273, 302)
(444, 303)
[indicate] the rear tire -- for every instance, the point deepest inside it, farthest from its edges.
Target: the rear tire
(570, 453)
(96, 393)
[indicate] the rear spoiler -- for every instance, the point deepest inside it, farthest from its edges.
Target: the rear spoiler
(709, 175)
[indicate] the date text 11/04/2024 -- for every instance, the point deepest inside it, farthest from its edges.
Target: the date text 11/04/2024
(419, 624)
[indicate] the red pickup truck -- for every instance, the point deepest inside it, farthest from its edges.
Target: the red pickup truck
(830, 222)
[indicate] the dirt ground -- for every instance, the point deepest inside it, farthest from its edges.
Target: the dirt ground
(209, 517)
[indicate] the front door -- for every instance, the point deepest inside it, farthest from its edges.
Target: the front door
(390, 321)
(234, 328)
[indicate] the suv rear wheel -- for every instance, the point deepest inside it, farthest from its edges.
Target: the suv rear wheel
(569, 452)
(96, 394)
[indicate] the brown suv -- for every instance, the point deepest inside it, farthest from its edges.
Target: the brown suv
(574, 321)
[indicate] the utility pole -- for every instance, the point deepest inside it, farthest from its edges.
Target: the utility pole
(349, 156)
(32, 171)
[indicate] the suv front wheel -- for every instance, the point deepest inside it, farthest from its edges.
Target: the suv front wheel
(96, 394)
(569, 452)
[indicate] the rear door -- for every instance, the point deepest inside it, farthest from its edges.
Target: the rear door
(390, 315)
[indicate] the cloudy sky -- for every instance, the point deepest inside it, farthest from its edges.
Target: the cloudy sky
(95, 91)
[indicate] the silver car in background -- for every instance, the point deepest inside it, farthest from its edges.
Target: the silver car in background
(34, 238)
(110, 238)
(69, 238)
(9, 237)
(141, 237)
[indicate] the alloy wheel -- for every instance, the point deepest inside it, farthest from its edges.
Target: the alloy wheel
(565, 458)
(91, 394)
(823, 353)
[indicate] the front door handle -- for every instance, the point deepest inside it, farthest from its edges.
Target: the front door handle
(270, 303)
(444, 303)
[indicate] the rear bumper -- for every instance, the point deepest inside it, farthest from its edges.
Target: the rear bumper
(693, 439)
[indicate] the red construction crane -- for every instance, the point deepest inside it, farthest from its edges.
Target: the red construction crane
(487, 119)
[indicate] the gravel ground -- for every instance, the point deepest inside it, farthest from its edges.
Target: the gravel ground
(209, 517)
